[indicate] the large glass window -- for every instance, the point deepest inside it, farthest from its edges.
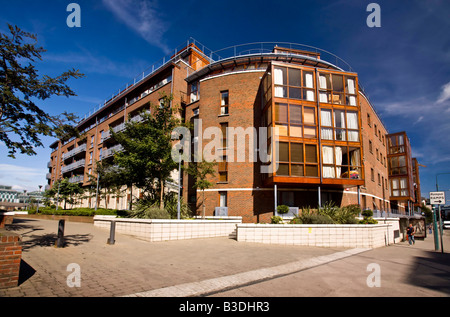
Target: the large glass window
(294, 83)
(295, 120)
(297, 159)
(341, 162)
(344, 124)
(337, 89)
(399, 187)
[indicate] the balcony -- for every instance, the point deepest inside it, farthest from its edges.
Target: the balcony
(76, 179)
(48, 176)
(47, 187)
(107, 134)
(73, 166)
(110, 152)
(49, 164)
(79, 149)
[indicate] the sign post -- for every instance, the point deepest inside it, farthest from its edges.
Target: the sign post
(437, 198)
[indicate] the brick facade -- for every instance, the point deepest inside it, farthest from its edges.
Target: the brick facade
(10, 257)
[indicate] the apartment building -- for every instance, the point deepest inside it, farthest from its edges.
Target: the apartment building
(295, 129)
(403, 173)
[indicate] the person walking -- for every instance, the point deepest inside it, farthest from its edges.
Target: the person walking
(410, 232)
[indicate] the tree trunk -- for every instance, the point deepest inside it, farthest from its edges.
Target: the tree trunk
(203, 203)
(161, 197)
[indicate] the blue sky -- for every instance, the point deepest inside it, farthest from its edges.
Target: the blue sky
(404, 65)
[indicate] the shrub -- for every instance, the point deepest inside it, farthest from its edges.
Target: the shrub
(316, 219)
(367, 214)
(296, 221)
(276, 220)
(347, 214)
(282, 209)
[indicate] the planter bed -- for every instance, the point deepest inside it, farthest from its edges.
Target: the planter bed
(170, 229)
(320, 235)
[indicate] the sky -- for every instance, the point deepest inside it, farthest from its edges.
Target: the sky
(403, 65)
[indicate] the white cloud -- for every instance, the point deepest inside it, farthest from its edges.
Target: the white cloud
(445, 93)
(142, 17)
(22, 177)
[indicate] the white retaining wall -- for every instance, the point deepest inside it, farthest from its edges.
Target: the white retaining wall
(321, 235)
(171, 229)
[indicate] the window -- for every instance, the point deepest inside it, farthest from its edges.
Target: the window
(92, 141)
(294, 83)
(341, 162)
(377, 155)
(370, 147)
(223, 127)
(222, 199)
(100, 151)
(344, 124)
(90, 157)
(399, 187)
(223, 170)
(368, 120)
(224, 102)
(297, 159)
(397, 165)
(372, 175)
(337, 89)
(379, 179)
(194, 92)
(295, 120)
(376, 133)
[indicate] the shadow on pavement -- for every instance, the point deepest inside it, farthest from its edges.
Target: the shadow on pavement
(49, 240)
(431, 271)
(25, 272)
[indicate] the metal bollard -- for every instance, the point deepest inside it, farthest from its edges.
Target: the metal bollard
(112, 233)
(60, 240)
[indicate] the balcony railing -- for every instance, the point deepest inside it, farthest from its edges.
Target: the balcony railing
(48, 176)
(73, 166)
(76, 179)
(49, 164)
(110, 152)
(79, 149)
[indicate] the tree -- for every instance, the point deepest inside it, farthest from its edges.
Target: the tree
(63, 189)
(146, 160)
(110, 180)
(200, 171)
(22, 122)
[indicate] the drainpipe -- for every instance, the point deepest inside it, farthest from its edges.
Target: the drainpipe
(319, 136)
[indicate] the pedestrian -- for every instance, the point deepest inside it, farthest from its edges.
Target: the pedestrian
(410, 232)
(429, 229)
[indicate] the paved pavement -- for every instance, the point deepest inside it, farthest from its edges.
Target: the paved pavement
(217, 267)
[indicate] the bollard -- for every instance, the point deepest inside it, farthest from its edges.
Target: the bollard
(112, 233)
(60, 240)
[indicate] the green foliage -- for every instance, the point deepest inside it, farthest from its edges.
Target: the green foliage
(145, 210)
(146, 161)
(66, 191)
(316, 219)
(276, 220)
(22, 122)
(282, 209)
(75, 212)
(367, 213)
(328, 214)
(367, 217)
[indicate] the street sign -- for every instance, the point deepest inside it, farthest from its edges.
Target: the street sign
(437, 198)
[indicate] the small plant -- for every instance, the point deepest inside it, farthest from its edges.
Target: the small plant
(282, 209)
(276, 220)
(296, 221)
(367, 214)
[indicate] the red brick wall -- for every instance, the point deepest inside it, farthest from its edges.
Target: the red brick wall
(10, 256)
